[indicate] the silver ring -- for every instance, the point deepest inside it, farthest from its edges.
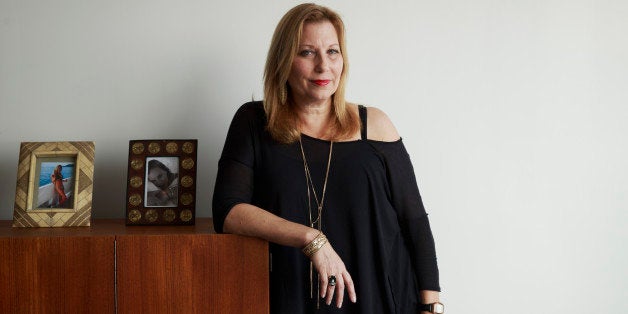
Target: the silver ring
(332, 280)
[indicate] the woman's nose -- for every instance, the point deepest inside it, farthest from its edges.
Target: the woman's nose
(322, 64)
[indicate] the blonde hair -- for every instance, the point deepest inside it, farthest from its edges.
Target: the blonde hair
(284, 46)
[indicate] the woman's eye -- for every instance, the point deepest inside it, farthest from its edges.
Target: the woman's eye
(333, 51)
(306, 53)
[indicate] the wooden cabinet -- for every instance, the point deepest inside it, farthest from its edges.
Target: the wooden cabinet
(109, 268)
(56, 274)
(164, 273)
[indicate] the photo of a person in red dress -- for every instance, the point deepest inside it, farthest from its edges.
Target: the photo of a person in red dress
(59, 191)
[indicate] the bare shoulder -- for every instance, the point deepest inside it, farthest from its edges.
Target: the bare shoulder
(379, 126)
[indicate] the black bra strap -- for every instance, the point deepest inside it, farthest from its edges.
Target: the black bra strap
(362, 111)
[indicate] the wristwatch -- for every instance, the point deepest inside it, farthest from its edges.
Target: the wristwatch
(436, 308)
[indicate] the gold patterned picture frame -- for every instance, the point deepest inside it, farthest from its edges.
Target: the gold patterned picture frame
(54, 184)
(161, 182)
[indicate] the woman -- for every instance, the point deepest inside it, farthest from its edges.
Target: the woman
(59, 197)
(327, 182)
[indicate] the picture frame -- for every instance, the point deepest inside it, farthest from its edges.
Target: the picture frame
(161, 182)
(54, 184)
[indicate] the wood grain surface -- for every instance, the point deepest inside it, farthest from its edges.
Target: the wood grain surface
(158, 269)
(192, 274)
(57, 275)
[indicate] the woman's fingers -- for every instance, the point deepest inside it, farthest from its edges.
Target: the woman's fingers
(340, 291)
(348, 281)
(330, 290)
(323, 284)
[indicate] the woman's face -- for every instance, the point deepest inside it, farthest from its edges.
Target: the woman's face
(158, 177)
(317, 67)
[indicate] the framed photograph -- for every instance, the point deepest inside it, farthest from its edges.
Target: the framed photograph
(161, 185)
(54, 184)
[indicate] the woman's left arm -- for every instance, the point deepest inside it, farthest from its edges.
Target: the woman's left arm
(407, 201)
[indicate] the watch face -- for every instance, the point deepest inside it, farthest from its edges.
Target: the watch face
(439, 308)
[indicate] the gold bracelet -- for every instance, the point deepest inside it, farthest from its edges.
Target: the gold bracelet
(315, 245)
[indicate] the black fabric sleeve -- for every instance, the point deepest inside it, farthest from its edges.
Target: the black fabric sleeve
(234, 180)
(411, 214)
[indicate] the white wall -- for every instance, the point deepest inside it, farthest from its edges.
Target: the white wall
(514, 113)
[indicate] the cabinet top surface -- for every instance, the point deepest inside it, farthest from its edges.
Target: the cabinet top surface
(104, 227)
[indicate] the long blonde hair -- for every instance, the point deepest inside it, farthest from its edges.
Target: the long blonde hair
(283, 48)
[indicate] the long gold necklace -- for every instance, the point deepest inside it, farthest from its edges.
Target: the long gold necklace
(310, 186)
(315, 223)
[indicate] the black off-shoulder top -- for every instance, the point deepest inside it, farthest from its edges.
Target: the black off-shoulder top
(373, 214)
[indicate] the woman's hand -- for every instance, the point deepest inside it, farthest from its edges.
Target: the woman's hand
(327, 263)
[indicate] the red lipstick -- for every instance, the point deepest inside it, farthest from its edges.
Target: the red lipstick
(321, 82)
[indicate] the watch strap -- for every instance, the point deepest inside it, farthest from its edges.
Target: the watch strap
(430, 307)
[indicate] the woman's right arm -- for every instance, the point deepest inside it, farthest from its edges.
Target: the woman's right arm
(250, 220)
